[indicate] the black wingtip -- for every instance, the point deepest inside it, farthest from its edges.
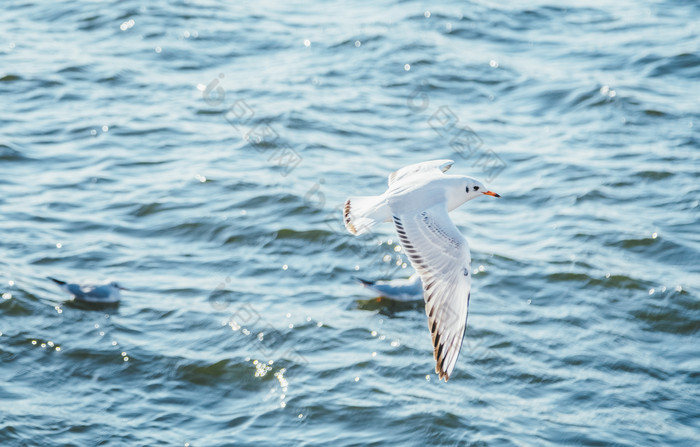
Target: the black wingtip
(364, 282)
(57, 281)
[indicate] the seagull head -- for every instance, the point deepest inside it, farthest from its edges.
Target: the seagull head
(463, 189)
(473, 188)
(117, 286)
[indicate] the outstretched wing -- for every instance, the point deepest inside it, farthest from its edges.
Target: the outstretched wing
(440, 254)
(436, 165)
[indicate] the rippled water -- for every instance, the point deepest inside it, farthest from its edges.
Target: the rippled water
(198, 152)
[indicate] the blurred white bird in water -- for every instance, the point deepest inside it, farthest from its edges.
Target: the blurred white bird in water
(404, 289)
(92, 293)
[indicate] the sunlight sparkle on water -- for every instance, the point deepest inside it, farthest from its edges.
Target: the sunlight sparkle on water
(127, 25)
(607, 91)
(284, 384)
(261, 368)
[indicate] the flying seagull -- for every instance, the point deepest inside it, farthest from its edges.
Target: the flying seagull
(418, 201)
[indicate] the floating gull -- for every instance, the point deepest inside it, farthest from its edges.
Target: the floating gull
(88, 293)
(418, 201)
(410, 289)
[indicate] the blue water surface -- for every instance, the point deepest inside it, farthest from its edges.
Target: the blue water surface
(200, 152)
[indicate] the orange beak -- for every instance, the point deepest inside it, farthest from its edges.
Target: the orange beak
(491, 193)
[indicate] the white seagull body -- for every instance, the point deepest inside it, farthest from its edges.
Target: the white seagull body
(91, 293)
(410, 289)
(418, 201)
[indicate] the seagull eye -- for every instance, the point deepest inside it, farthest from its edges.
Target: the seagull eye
(467, 190)
(476, 188)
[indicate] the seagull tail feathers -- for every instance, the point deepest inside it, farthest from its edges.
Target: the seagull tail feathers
(360, 214)
(364, 282)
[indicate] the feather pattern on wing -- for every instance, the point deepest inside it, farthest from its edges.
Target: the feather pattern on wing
(440, 254)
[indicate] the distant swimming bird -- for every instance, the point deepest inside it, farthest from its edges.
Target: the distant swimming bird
(89, 293)
(410, 289)
(418, 201)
